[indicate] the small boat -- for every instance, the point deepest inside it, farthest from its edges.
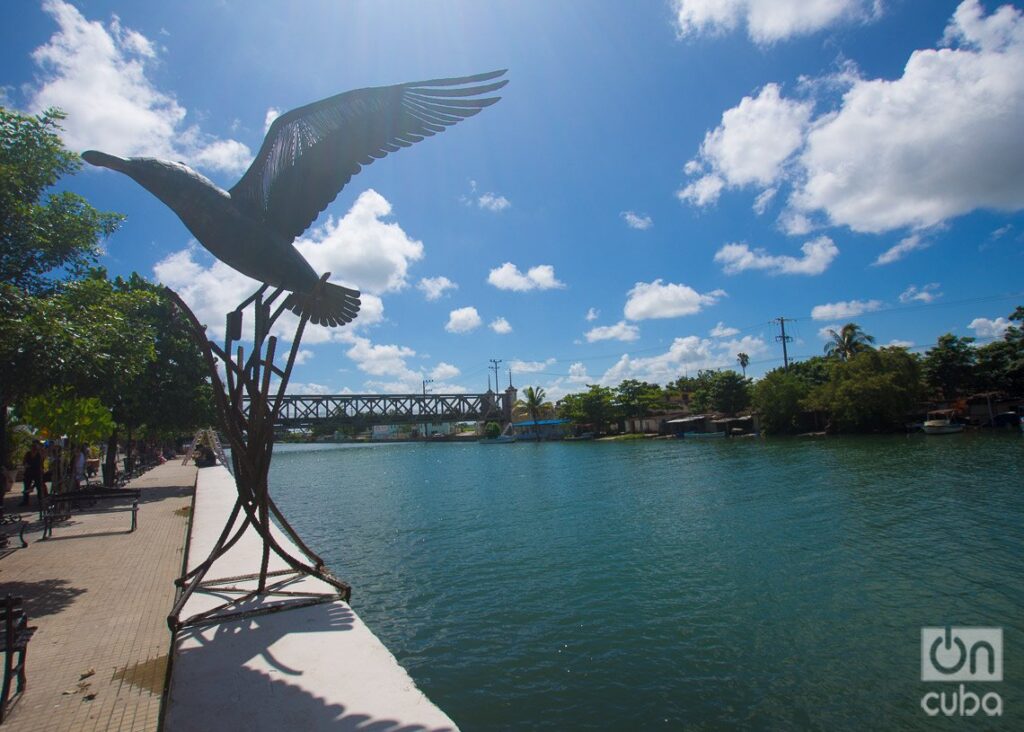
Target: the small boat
(579, 438)
(702, 435)
(506, 437)
(941, 423)
(499, 440)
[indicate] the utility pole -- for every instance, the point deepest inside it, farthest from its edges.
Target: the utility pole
(495, 361)
(784, 339)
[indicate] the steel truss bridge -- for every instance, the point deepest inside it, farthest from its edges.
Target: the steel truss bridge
(371, 409)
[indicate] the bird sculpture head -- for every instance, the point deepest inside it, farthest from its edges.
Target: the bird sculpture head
(307, 157)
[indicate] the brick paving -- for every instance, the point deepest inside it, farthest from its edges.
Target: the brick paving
(100, 598)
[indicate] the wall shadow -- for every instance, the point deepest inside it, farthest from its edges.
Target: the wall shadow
(274, 702)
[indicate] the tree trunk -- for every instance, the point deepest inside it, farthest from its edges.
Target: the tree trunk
(110, 464)
(6, 459)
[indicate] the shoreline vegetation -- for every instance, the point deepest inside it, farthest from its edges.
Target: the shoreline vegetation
(853, 388)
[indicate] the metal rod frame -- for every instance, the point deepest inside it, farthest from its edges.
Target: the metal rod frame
(250, 432)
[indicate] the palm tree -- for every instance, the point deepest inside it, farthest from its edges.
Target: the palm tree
(744, 361)
(534, 403)
(848, 341)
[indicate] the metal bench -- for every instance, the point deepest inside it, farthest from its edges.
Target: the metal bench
(59, 507)
(14, 519)
(17, 634)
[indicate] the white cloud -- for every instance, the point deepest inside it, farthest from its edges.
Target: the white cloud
(493, 202)
(750, 145)
(444, 371)
(912, 243)
(825, 332)
(500, 326)
(847, 309)
(986, 328)
(433, 288)
(362, 249)
(764, 200)
(592, 315)
(817, 256)
(98, 75)
(508, 277)
(940, 141)
(302, 356)
(687, 354)
(621, 331)
(268, 119)
(637, 221)
(530, 367)
(926, 293)
(463, 320)
(656, 300)
(382, 360)
(723, 331)
(767, 21)
(703, 191)
(897, 343)
(309, 389)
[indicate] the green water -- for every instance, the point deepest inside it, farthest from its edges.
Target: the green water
(749, 584)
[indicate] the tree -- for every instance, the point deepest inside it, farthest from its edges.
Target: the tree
(43, 238)
(721, 391)
(871, 391)
(743, 360)
(637, 399)
(59, 412)
(534, 402)
(949, 365)
(778, 399)
(43, 235)
(594, 407)
(848, 341)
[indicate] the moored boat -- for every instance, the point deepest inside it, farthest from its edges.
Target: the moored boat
(941, 423)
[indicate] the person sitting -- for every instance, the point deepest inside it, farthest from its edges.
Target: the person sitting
(205, 458)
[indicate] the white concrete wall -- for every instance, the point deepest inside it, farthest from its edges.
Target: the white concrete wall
(313, 668)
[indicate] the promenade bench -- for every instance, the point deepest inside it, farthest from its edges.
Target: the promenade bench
(17, 634)
(7, 524)
(59, 507)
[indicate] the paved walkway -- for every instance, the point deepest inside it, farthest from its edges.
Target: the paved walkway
(100, 598)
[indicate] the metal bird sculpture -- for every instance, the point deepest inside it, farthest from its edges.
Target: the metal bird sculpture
(307, 157)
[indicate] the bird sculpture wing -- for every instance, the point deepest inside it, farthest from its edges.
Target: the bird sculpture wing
(310, 153)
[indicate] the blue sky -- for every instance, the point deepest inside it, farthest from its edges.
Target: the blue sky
(659, 182)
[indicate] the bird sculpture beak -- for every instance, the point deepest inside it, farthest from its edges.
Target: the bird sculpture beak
(103, 160)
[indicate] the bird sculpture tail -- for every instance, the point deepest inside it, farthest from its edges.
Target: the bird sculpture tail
(328, 304)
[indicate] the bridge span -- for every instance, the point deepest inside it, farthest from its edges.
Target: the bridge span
(370, 409)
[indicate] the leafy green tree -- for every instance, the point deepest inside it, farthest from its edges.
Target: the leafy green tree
(43, 234)
(58, 412)
(848, 341)
(815, 370)
(44, 237)
(949, 365)
(871, 391)
(636, 399)
(721, 391)
(778, 399)
(594, 407)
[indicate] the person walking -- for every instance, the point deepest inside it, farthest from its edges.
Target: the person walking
(33, 464)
